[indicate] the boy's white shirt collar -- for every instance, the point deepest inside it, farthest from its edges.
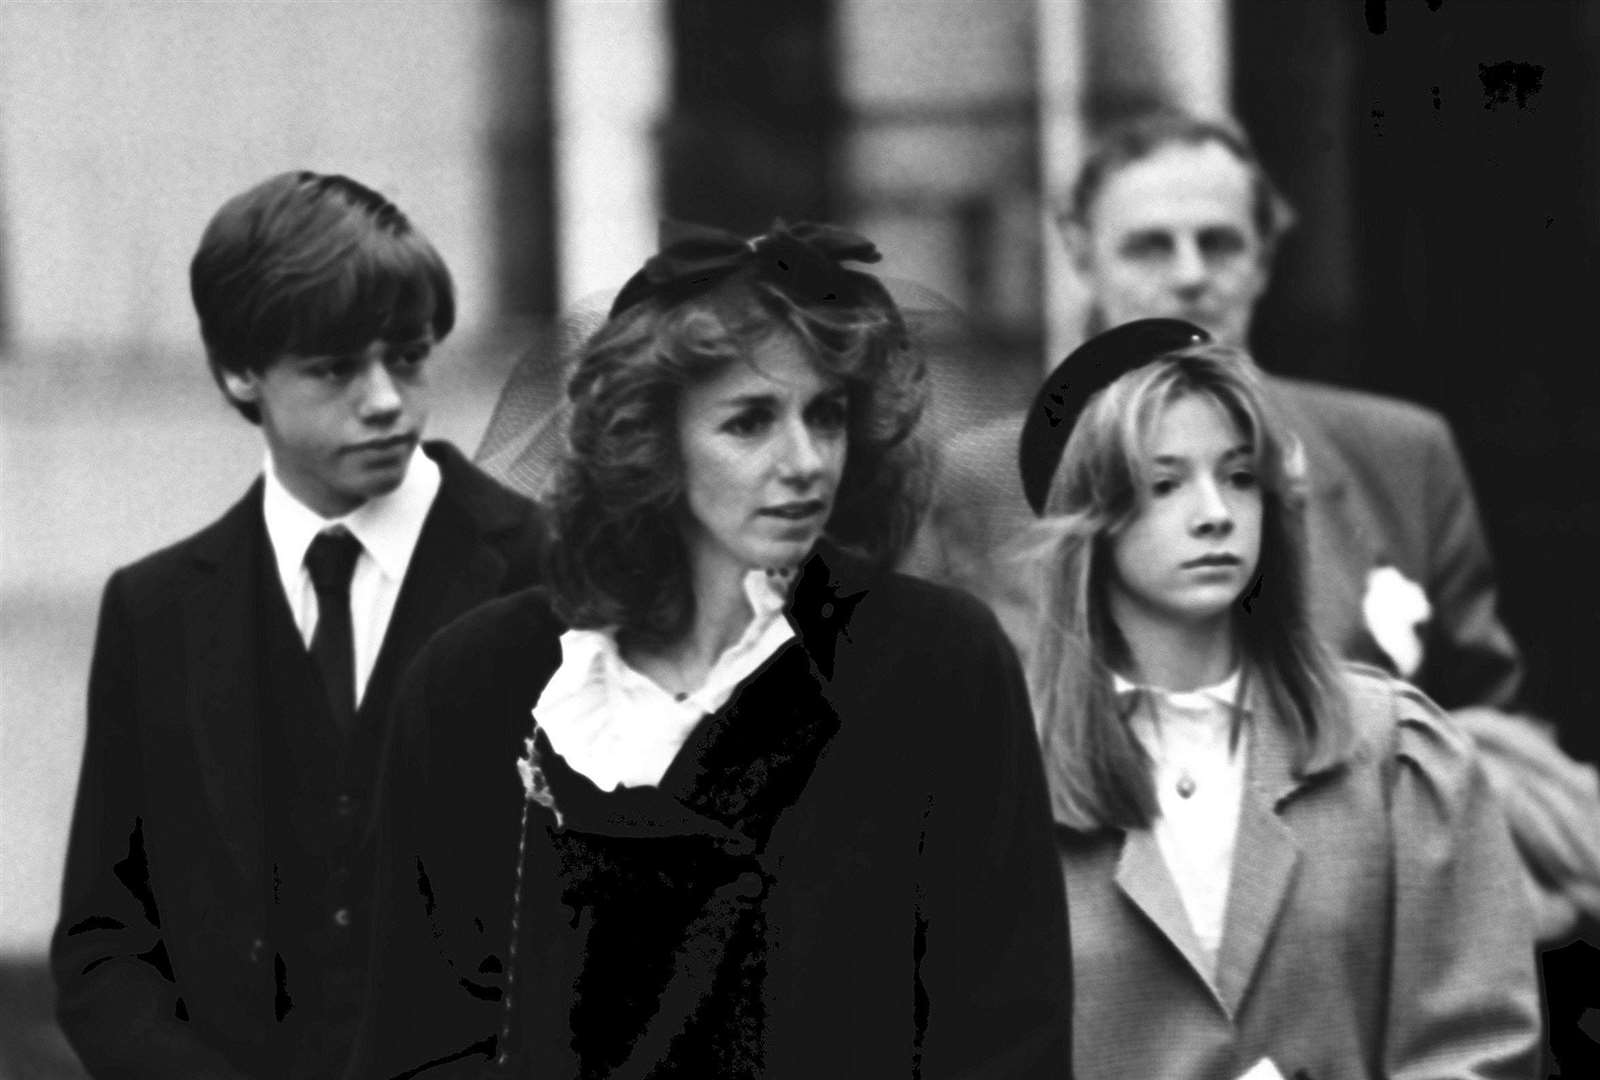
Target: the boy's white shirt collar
(387, 525)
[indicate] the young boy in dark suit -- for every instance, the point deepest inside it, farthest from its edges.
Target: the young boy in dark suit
(214, 912)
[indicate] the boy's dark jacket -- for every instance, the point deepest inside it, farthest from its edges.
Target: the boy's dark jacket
(163, 956)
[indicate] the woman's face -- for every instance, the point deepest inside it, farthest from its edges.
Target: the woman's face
(763, 446)
(1195, 544)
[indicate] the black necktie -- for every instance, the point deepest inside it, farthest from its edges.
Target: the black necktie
(331, 560)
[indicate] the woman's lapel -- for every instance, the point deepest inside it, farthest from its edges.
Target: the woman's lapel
(1144, 878)
(1265, 857)
(830, 586)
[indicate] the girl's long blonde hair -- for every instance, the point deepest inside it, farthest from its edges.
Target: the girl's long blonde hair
(1100, 775)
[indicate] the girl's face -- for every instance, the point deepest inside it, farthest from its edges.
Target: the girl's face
(1194, 546)
(763, 447)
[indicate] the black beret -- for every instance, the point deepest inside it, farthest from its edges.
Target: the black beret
(1088, 369)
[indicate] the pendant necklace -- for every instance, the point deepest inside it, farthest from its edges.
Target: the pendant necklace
(1185, 785)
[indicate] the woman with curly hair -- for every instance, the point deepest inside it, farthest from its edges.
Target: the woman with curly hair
(726, 797)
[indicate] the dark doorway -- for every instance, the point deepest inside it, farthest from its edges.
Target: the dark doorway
(754, 115)
(1444, 157)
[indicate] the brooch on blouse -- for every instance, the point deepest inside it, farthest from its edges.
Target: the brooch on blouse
(535, 784)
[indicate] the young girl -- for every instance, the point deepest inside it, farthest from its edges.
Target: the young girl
(1276, 867)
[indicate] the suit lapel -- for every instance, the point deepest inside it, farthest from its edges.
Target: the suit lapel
(1338, 530)
(1327, 480)
(1324, 464)
(455, 567)
(1144, 879)
(1264, 860)
(220, 639)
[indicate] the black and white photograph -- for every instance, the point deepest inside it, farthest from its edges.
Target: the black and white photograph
(668, 539)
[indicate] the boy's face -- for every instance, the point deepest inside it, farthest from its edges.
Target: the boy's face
(341, 429)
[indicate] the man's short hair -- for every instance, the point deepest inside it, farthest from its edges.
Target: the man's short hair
(314, 265)
(1135, 139)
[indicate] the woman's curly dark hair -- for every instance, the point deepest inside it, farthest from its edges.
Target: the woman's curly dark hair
(616, 556)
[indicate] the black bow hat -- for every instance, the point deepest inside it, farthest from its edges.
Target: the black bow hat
(1088, 369)
(805, 257)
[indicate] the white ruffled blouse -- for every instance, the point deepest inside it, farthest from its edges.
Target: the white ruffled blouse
(615, 725)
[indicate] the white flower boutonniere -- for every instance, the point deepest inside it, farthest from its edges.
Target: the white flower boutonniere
(1294, 466)
(1395, 608)
(535, 784)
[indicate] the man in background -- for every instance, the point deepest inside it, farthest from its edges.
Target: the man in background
(1173, 216)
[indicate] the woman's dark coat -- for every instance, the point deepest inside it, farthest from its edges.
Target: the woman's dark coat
(847, 872)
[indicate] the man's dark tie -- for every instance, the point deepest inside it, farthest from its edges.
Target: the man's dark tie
(331, 560)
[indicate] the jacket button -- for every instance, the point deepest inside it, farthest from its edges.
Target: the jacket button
(345, 805)
(256, 948)
(341, 917)
(747, 885)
